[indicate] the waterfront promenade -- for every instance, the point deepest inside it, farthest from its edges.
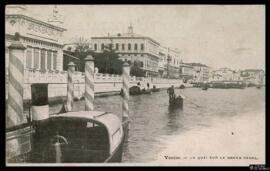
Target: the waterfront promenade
(105, 84)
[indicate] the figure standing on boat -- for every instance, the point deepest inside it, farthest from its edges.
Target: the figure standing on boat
(170, 91)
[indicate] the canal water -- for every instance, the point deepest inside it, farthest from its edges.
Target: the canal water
(155, 127)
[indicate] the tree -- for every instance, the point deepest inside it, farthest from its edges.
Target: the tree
(106, 61)
(135, 70)
(82, 50)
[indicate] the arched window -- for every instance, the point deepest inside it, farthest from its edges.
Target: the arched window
(135, 46)
(142, 47)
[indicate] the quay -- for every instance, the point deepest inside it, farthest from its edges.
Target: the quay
(106, 84)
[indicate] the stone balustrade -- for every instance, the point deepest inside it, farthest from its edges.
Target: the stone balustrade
(57, 81)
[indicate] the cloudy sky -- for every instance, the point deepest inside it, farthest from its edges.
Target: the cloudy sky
(219, 36)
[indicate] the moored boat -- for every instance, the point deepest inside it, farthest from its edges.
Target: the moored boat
(78, 137)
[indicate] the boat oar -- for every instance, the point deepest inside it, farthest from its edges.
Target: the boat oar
(189, 100)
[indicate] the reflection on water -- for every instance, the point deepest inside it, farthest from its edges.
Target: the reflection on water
(152, 120)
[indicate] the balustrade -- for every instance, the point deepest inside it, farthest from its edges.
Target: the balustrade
(38, 76)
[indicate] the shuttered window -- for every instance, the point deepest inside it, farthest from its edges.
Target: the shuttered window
(142, 47)
(49, 60)
(54, 60)
(43, 58)
(36, 58)
(29, 57)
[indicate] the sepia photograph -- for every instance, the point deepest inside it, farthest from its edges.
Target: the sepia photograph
(135, 85)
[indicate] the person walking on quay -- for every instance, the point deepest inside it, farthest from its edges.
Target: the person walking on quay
(170, 90)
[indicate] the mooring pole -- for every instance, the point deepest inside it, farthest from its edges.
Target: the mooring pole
(16, 83)
(125, 76)
(70, 86)
(89, 83)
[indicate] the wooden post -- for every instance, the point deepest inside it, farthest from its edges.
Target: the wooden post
(125, 75)
(89, 83)
(16, 83)
(70, 86)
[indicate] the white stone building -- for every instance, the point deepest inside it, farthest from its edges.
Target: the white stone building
(225, 74)
(253, 76)
(201, 72)
(131, 47)
(43, 39)
(187, 71)
(169, 60)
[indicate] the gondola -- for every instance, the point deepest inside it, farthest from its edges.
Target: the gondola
(176, 102)
(146, 91)
(204, 88)
(78, 137)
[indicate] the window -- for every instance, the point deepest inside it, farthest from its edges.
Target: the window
(142, 46)
(29, 58)
(42, 56)
(123, 46)
(135, 46)
(141, 64)
(129, 46)
(36, 58)
(116, 46)
(49, 60)
(102, 46)
(110, 46)
(95, 46)
(54, 60)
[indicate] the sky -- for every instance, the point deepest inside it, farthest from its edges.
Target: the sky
(216, 35)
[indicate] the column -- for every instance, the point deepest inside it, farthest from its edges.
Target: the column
(125, 75)
(70, 86)
(16, 83)
(89, 83)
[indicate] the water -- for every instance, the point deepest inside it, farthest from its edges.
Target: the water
(153, 124)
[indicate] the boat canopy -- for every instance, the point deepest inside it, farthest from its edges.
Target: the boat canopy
(110, 121)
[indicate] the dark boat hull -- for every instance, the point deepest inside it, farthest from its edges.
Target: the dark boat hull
(204, 88)
(176, 103)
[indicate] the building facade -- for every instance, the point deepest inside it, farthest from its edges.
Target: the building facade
(225, 74)
(43, 40)
(201, 72)
(253, 76)
(186, 71)
(169, 61)
(133, 48)
(173, 62)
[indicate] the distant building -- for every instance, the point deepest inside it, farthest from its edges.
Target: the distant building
(43, 40)
(253, 76)
(225, 74)
(162, 69)
(201, 72)
(169, 61)
(173, 62)
(132, 47)
(186, 71)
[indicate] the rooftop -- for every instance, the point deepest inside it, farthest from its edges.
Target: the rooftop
(129, 34)
(196, 64)
(253, 70)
